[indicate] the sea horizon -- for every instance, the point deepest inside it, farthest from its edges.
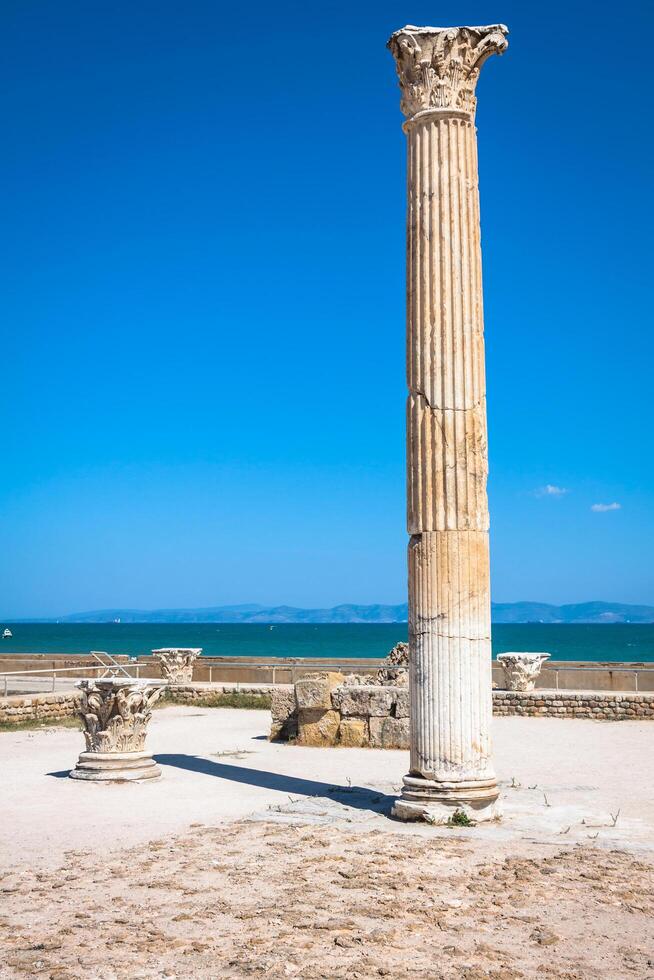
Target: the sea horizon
(527, 612)
(609, 642)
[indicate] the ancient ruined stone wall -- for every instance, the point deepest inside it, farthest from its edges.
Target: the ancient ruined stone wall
(190, 693)
(322, 711)
(601, 705)
(37, 707)
(366, 715)
(326, 710)
(52, 707)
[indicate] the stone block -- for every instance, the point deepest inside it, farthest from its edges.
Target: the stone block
(318, 727)
(284, 715)
(374, 701)
(402, 704)
(282, 703)
(314, 690)
(354, 732)
(389, 733)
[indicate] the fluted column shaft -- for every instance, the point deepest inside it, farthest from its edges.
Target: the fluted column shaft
(449, 588)
(447, 457)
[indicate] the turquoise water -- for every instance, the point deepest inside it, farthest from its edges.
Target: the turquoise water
(607, 642)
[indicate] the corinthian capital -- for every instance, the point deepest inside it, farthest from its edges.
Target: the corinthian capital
(438, 67)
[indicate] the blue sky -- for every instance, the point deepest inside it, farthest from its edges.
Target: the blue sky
(203, 320)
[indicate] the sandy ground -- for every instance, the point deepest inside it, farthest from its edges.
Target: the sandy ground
(251, 859)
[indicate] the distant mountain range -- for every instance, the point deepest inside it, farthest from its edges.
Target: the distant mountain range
(578, 612)
(502, 612)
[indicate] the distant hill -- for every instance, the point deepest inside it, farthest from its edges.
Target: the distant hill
(248, 614)
(580, 612)
(502, 612)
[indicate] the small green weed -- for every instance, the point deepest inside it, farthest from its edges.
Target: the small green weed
(460, 819)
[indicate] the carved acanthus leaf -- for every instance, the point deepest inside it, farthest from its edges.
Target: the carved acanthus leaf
(116, 717)
(177, 663)
(438, 67)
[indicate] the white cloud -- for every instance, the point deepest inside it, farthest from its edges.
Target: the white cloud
(549, 490)
(602, 508)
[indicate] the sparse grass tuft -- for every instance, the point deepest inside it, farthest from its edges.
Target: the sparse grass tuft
(219, 700)
(34, 724)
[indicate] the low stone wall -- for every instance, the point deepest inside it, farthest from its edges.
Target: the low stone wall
(53, 707)
(326, 710)
(38, 707)
(601, 705)
(192, 693)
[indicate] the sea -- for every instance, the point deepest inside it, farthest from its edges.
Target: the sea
(607, 642)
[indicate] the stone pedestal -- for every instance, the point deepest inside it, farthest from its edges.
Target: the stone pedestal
(521, 669)
(115, 712)
(447, 459)
(177, 663)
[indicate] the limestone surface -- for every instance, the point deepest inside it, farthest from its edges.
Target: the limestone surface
(284, 714)
(353, 732)
(389, 733)
(318, 727)
(402, 708)
(363, 700)
(314, 690)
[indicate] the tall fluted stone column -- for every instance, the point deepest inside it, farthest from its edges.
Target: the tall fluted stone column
(447, 458)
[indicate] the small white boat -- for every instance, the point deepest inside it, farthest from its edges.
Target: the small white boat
(6, 634)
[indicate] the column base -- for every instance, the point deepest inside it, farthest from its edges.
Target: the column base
(438, 802)
(115, 766)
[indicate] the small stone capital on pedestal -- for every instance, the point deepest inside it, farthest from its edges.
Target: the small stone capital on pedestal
(115, 712)
(177, 663)
(438, 67)
(521, 669)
